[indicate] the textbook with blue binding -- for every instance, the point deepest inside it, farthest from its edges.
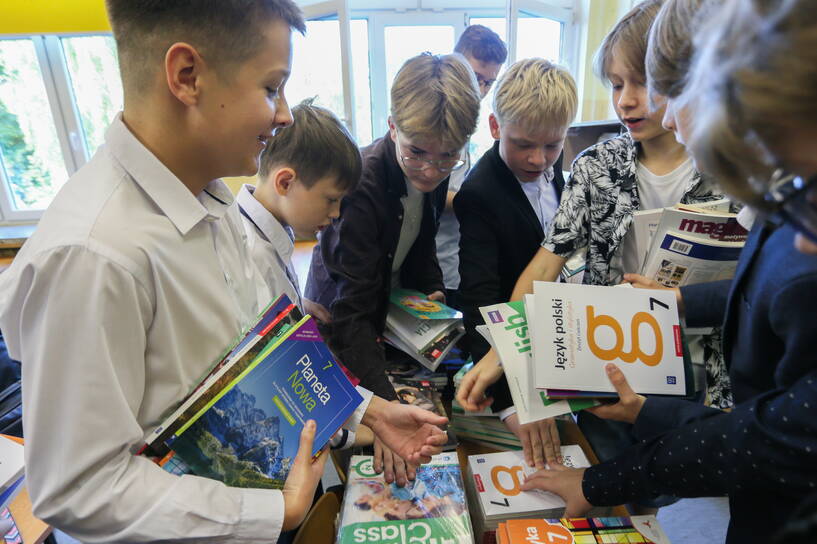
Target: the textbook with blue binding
(248, 434)
(276, 319)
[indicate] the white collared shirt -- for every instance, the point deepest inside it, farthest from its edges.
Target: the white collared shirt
(271, 245)
(542, 197)
(128, 291)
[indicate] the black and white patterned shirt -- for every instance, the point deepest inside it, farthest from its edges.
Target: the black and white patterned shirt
(596, 211)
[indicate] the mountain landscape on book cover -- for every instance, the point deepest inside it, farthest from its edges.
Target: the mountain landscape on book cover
(430, 509)
(249, 435)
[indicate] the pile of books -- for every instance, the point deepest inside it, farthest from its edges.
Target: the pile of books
(493, 482)
(555, 344)
(424, 329)
(242, 423)
(632, 530)
(687, 244)
(432, 508)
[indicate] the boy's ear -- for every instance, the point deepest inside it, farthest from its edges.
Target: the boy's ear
(392, 130)
(494, 126)
(183, 67)
(283, 180)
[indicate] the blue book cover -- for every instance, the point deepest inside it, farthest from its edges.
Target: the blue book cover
(248, 435)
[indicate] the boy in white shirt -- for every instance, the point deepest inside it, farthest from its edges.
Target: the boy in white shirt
(137, 278)
(305, 171)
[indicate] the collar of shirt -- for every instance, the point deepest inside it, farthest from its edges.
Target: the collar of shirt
(281, 238)
(183, 208)
(539, 182)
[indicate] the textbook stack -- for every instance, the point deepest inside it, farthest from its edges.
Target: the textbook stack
(493, 482)
(242, 424)
(431, 509)
(424, 329)
(631, 530)
(554, 345)
(688, 244)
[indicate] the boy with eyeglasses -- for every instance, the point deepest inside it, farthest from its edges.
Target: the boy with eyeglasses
(384, 238)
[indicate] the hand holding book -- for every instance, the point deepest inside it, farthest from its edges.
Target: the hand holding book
(540, 440)
(629, 403)
(393, 467)
(643, 282)
(303, 478)
(471, 392)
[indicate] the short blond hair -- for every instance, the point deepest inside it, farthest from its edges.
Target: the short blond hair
(436, 97)
(536, 95)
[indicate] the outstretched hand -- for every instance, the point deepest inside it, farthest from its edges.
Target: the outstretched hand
(471, 392)
(540, 440)
(629, 402)
(410, 432)
(300, 485)
(565, 482)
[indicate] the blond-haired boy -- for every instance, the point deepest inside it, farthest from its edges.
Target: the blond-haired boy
(384, 238)
(136, 280)
(507, 203)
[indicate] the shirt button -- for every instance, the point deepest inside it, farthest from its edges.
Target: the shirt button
(400, 217)
(390, 256)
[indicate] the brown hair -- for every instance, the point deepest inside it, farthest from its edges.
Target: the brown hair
(628, 40)
(226, 31)
(315, 146)
(483, 44)
(436, 97)
(754, 76)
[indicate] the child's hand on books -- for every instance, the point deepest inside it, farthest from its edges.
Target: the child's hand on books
(299, 488)
(393, 467)
(437, 296)
(540, 441)
(471, 392)
(565, 482)
(629, 402)
(409, 431)
(643, 282)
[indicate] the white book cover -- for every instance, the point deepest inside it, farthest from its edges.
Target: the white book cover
(12, 462)
(508, 327)
(697, 222)
(497, 477)
(681, 259)
(581, 328)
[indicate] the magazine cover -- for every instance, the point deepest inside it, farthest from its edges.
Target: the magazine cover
(497, 477)
(274, 323)
(508, 326)
(430, 509)
(681, 259)
(634, 529)
(580, 328)
(249, 434)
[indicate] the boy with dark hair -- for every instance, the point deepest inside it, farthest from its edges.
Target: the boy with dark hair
(137, 278)
(298, 194)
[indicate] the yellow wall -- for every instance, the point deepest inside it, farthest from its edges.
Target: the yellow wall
(235, 183)
(603, 15)
(53, 16)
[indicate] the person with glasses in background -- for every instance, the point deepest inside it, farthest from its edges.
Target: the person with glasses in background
(384, 238)
(749, 108)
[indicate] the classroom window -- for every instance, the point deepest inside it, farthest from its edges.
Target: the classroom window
(97, 89)
(317, 70)
(31, 163)
(538, 37)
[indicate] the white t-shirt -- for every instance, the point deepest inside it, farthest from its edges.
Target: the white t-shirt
(542, 198)
(654, 192)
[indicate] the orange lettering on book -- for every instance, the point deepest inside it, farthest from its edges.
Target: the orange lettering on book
(513, 471)
(617, 352)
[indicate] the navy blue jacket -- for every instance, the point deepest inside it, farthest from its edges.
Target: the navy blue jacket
(499, 235)
(763, 453)
(351, 266)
